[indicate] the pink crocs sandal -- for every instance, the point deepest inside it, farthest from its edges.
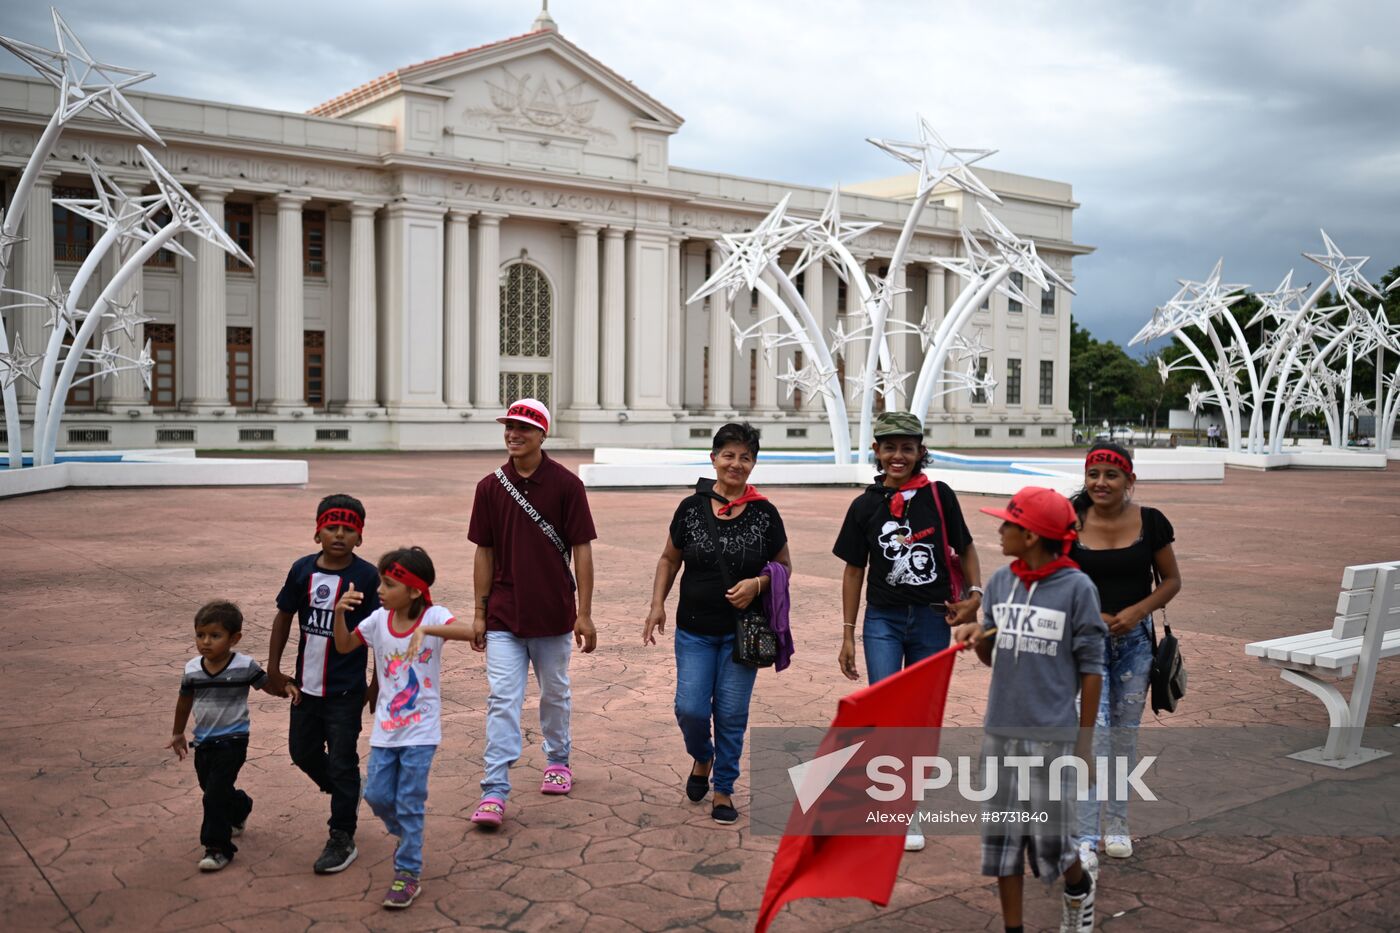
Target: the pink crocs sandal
(558, 779)
(489, 812)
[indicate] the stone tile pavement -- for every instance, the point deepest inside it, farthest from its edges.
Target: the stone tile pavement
(99, 824)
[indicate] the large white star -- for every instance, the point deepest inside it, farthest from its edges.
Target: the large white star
(939, 163)
(125, 319)
(19, 364)
(827, 233)
(1344, 271)
(973, 349)
(82, 81)
(749, 254)
(188, 211)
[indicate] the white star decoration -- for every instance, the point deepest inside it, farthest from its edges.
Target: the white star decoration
(939, 163)
(749, 254)
(19, 364)
(189, 212)
(82, 81)
(1344, 271)
(826, 233)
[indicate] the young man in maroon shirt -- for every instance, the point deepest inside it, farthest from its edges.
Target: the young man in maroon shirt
(530, 518)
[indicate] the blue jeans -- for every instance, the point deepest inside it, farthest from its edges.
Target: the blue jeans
(1125, 683)
(898, 636)
(508, 661)
(396, 789)
(711, 686)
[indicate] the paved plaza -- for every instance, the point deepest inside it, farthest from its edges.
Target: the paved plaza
(100, 822)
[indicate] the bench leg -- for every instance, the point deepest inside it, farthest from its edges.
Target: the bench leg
(1340, 738)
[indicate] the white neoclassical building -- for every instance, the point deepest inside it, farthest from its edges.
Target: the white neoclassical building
(502, 221)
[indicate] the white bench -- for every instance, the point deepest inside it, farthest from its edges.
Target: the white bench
(1366, 629)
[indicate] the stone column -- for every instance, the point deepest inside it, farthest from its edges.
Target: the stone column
(126, 390)
(363, 338)
(456, 321)
(613, 358)
(937, 298)
(288, 378)
(899, 351)
(411, 312)
(721, 346)
(649, 311)
(488, 310)
(586, 316)
(35, 268)
(675, 325)
(209, 387)
(814, 294)
(766, 394)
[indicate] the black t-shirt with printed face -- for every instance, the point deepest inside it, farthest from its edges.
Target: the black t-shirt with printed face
(905, 555)
(748, 542)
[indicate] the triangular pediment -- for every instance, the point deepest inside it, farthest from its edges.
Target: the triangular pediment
(541, 83)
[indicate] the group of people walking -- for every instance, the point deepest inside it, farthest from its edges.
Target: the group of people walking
(1087, 574)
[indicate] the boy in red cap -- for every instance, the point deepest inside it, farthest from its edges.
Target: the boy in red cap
(1048, 650)
(530, 521)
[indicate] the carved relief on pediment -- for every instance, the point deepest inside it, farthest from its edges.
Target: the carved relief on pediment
(540, 102)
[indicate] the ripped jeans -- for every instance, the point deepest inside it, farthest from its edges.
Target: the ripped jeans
(1128, 659)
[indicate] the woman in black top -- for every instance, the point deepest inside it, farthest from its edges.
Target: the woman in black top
(1126, 549)
(710, 685)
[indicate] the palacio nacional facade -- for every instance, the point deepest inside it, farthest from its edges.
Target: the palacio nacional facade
(499, 222)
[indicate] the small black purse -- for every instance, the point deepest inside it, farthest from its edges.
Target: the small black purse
(1168, 675)
(755, 642)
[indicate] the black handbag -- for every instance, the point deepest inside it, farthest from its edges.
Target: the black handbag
(1168, 675)
(755, 642)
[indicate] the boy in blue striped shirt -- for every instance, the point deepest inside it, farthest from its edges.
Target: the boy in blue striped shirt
(215, 687)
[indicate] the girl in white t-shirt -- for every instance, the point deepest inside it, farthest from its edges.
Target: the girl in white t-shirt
(406, 635)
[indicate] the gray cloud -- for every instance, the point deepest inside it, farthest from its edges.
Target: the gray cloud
(1190, 130)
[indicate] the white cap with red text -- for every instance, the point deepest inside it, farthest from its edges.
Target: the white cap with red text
(528, 411)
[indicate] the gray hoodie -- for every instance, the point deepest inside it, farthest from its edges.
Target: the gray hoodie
(1047, 636)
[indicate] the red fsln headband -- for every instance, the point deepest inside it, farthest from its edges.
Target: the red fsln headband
(341, 517)
(408, 578)
(1109, 457)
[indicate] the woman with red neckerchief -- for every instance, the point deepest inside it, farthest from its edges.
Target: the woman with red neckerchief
(1126, 549)
(711, 687)
(896, 540)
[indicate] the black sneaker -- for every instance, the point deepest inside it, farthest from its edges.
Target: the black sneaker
(724, 814)
(1077, 914)
(339, 852)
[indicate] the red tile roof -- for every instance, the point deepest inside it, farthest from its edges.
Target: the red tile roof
(386, 84)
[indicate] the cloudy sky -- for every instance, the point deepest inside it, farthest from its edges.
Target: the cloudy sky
(1190, 129)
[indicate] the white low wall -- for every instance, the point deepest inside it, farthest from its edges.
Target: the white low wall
(1313, 457)
(154, 468)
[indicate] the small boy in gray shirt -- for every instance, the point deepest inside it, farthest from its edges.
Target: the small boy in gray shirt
(1049, 645)
(215, 688)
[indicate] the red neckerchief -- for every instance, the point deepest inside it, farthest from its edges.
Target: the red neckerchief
(1028, 576)
(750, 494)
(897, 500)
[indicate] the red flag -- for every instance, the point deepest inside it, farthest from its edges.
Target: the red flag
(858, 866)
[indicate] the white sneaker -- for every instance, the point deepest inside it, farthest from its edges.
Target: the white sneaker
(1077, 915)
(1118, 846)
(914, 842)
(1090, 860)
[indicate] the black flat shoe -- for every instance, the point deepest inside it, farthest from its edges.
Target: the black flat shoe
(697, 786)
(724, 814)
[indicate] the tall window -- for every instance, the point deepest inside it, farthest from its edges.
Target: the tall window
(238, 222)
(73, 236)
(1013, 382)
(1047, 382)
(705, 376)
(527, 333)
(313, 242)
(841, 292)
(240, 367)
(979, 396)
(314, 367)
(82, 394)
(1018, 280)
(164, 258)
(162, 337)
(797, 362)
(1047, 301)
(753, 378)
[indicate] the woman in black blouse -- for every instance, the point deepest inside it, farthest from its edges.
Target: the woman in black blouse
(710, 684)
(1126, 549)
